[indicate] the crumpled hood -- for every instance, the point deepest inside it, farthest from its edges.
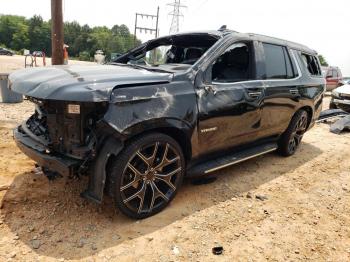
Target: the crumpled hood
(79, 83)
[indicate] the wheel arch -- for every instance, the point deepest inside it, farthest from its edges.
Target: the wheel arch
(310, 113)
(179, 130)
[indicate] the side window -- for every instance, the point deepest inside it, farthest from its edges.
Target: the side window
(335, 73)
(233, 65)
(278, 63)
(312, 64)
(329, 73)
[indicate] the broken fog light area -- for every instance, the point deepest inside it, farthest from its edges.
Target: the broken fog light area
(38, 126)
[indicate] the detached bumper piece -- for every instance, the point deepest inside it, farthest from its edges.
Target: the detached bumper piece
(36, 151)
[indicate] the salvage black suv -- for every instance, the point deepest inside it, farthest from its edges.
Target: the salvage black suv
(181, 105)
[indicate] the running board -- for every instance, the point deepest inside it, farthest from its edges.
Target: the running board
(230, 159)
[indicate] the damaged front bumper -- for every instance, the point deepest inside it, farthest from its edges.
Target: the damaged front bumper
(342, 103)
(40, 154)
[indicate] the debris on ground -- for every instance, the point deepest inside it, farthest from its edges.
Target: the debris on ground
(4, 187)
(341, 125)
(175, 250)
(329, 114)
(261, 197)
(217, 250)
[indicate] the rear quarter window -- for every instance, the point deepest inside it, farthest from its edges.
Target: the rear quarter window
(311, 64)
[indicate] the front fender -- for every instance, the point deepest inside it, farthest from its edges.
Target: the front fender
(137, 109)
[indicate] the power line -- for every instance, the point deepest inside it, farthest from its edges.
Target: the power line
(146, 29)
(176, 14)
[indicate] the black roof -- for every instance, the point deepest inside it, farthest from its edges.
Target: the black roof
(258, 37)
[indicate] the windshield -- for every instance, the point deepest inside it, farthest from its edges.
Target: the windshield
(184, 49)
(154, 57)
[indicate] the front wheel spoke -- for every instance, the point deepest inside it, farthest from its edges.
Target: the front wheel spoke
(156, 194)
(167, 178)
(143, 158)
(132, 183)
(136, 179)
(133, 169)
(292, 144)
(155, 151)
(142, 199)
(140, 194)
(167, 162)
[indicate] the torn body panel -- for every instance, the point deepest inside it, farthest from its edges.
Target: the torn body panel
(158, 105)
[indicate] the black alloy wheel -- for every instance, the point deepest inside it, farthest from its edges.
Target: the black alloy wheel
(291, 139)
(147, 175)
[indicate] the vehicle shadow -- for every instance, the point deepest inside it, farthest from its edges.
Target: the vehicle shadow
(51, 218)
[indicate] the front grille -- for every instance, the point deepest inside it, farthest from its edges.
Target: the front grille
(345, 96)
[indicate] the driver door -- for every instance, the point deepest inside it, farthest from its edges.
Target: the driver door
(229, 100)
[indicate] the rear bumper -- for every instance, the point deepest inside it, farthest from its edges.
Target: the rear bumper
(37, 152)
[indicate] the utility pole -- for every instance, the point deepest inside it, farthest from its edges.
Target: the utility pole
(176, 14)
(146, 29)
(57, 32)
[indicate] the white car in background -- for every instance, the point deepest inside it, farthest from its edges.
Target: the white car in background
(341, 98)
(346, 81)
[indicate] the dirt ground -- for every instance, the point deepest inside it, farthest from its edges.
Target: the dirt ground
(305, 216)
(11, 63)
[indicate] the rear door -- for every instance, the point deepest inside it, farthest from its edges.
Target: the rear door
(281, 88)
(229, 102)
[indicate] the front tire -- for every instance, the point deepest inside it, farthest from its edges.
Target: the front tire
(290, 140)
(147, 175)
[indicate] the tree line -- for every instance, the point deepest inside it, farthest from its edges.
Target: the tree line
(19, 33)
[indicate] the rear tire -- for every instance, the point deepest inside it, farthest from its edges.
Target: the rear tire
(147, 174)
(290, 140)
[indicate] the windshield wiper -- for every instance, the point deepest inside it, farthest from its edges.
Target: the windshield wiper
(153, 69)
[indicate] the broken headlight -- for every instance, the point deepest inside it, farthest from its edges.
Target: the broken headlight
(335, 94)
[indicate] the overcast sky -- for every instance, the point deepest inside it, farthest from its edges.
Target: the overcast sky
(320, 24)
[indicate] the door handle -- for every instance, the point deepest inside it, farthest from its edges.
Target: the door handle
(294, 91)
(255, 95)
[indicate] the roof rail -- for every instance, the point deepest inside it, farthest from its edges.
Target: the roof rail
(223, 28)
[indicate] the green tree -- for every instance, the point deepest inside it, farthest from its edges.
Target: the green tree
(11, 28)
(323, 61)
(17, 32)
(39, 33)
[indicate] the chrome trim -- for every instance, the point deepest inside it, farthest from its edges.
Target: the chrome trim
(294, 91)
(239, 161)
(340, 101)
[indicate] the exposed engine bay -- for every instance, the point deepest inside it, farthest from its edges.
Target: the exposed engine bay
(65, 128)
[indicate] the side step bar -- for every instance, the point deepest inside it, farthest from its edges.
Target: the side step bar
(230, 159)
